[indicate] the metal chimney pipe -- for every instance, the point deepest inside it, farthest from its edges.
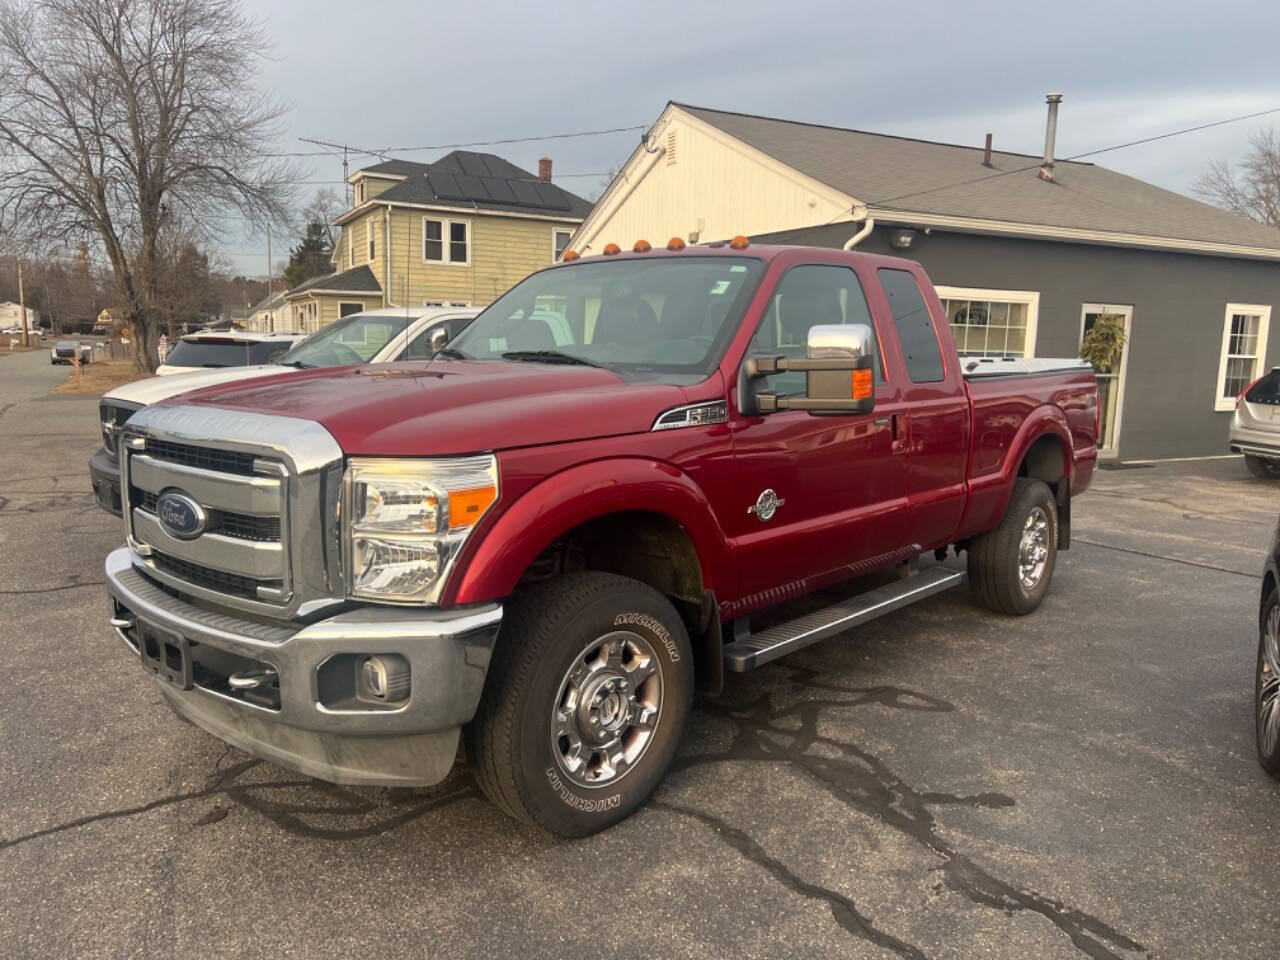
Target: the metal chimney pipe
(986, 152)
(1050, 134)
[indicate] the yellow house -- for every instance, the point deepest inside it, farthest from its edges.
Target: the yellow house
(457, 232)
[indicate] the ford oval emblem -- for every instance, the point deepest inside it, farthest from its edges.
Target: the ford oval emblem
(180, 516)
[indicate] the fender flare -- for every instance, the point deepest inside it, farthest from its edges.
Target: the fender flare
(490, 567)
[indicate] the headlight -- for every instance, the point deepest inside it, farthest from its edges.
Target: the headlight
(406, 519)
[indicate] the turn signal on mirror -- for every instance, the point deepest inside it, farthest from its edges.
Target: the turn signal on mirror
(861, 384)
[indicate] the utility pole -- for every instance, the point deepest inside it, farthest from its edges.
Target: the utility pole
(22, 308)
(271, 321)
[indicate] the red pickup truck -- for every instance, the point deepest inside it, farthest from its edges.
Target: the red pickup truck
(544, 538)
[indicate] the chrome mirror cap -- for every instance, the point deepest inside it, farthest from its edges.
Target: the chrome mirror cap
(840, 341)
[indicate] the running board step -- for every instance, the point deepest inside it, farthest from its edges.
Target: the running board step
(757, 649)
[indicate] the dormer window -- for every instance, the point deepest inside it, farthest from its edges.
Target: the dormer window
(360, 191)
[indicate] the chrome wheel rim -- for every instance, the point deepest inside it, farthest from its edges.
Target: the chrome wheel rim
(606, 709)
(1033, 551)
(1269, 683)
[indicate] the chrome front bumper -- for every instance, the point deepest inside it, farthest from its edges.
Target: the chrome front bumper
(343, 740)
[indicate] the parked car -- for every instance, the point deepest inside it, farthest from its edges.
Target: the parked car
(1267, 682)
(64, 351)
(232, 348)
(1255, 427)
(374, 336)
(542, 540)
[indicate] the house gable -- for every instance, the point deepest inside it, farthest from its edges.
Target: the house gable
(695, 180)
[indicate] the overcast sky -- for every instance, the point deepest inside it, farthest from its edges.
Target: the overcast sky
(385, 73)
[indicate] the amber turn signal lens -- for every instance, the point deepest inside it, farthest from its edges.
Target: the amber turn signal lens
(675, 243)
(569, 255)
(739, 243)
(861, 385)
(468, 506)
(642, 246)
(611, 249)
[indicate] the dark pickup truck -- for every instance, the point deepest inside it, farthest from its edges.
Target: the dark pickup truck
(543, 539)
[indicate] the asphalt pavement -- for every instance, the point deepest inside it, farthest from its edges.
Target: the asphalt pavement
(942, 783)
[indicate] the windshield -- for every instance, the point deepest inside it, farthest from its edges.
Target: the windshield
(224, 353)
(666, 314)
(353, 339)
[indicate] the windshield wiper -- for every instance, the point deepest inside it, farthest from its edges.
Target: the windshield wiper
(296, 364)
(550, 356)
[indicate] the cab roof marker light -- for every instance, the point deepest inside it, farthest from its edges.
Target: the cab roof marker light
(675, 244)
(642, 246)
(612, 249)
(569, 255)
(739, 243)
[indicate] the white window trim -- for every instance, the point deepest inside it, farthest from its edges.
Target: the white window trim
(1030, 297)
(1263, 312)
(433, 303)
(555, 232)
(360, 307)
(446, 225)
(1125, 310)
(370, 239)
(351, 246)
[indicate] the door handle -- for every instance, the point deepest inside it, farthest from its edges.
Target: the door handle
(901, 433)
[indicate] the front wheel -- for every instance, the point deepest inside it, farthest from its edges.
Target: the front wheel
(1266, 696)
(1011, 566)
(1261, 467)
(587, 695)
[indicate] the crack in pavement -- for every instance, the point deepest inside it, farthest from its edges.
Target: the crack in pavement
(287, 816)
(867, 785)
(65, 586)
(1160, 556)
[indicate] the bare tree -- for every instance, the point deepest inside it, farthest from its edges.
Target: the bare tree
(323, 209)
(1252, 189)
(117, 116)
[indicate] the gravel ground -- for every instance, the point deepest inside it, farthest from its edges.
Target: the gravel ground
(943, 783)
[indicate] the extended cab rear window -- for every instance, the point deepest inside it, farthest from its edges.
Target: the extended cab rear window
(1266, 390)
(915, 326)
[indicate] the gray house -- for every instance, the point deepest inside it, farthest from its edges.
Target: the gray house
(1027, 253)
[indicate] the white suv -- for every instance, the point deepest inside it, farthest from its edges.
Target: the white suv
(1255, 428)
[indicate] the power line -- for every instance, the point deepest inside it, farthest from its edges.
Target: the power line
(364, 152)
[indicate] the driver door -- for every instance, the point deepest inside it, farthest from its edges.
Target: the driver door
(839, 481)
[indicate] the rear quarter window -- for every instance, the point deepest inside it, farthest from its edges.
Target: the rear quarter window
(1266, 390)
(915, 328)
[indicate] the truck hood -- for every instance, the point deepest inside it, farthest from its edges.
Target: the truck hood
(453, 407)
(154, 389)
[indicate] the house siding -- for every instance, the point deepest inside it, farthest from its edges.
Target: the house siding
(1179, 302)
(703, 180)
(503, 251)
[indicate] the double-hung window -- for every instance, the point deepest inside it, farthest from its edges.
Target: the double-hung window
(446, 241)
(1244, 350)
(559, 243)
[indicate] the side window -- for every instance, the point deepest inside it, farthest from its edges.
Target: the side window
(808, 296)
(915, 326)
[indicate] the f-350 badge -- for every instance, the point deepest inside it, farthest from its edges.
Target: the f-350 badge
(767, 505)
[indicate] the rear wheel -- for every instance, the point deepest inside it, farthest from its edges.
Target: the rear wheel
(1261, 467)
(587, 695)
(1011, 566)
(1266, 698)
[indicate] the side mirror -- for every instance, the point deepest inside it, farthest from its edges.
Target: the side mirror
(439, 339)
(839, 374)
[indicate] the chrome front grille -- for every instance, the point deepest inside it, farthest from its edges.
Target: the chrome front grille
(246, 484)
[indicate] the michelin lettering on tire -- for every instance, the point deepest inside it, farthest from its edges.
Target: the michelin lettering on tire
(651, 624)
(581, 804)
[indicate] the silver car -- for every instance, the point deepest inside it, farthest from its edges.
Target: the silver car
(1255, 428)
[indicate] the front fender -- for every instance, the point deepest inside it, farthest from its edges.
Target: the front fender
(490, 568)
